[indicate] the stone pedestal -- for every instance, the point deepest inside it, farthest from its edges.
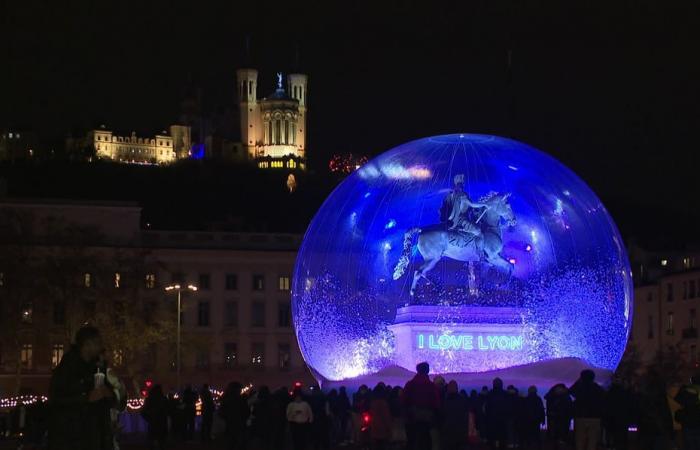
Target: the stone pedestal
(460, 339)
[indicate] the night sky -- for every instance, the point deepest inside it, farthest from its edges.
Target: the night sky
(610, 88)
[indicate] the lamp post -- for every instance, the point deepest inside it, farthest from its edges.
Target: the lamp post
(178, 288)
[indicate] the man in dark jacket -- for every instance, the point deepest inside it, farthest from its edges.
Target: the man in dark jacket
(79, 416)
(497, 410)
(421, 401)
(589, 400)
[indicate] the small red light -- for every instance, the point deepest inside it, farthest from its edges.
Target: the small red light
(143, 392)
(149, 383)
(297, 384)
(366, 418)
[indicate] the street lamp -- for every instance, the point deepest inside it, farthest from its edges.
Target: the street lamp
(178, 288)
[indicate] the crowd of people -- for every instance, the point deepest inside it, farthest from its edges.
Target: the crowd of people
(85, 399)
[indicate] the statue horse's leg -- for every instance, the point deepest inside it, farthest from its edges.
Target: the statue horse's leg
(422, 272)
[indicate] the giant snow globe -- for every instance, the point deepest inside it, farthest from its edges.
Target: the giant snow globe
(475, 253)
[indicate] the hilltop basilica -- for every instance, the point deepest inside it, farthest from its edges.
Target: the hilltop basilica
(272, 131)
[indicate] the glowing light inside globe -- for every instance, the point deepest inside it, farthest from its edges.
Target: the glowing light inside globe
(471, 252)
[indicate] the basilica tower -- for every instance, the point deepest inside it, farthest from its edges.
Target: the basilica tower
(297, 89)
(249, 109)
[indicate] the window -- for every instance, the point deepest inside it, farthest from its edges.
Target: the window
(119, 314)
(117, 358)
(231, 282)
(230, 354)
(669, 323)
(56, 354)
(284, 356)
(258, 282)
(117, 280)
(59, 313)
(258, 314)
(203, 314)
(650, 323)
(283, 283)
(87, 280)
(204, 281)
(257, 354)
(278, 132)
(90, 309)
(669, 292)
(664, 262)
(149, 312)
(26, 356)
(231, 314)
(202, 361)
(27, 313)
(150, 281)
(691, 289)
(283, 314)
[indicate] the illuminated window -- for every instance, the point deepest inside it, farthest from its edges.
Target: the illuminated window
(59, 313)
(27, 313)
(203, 314)
(257, 354)
(150, 281)
(283, 283)
(258, 314)
(231, 282)
(284, 356)
(26, 356)
(231, 314)
(686, 263)
(117, 358)
(230, 354)
(258, 282)
(669, 323)
(87, 280)
(283, 314)
(117, 280)
(664, 262)
(56, 354)
(204, 281)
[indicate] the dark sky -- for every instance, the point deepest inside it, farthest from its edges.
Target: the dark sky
(611, 88)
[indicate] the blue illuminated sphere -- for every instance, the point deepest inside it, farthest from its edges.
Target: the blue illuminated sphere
(561, 272)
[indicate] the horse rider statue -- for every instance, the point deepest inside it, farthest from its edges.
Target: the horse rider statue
(457, 209)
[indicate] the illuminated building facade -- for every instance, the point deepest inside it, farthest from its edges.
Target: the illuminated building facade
(237, 326)
(163, 148)
(667, 304)
(273, 128)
